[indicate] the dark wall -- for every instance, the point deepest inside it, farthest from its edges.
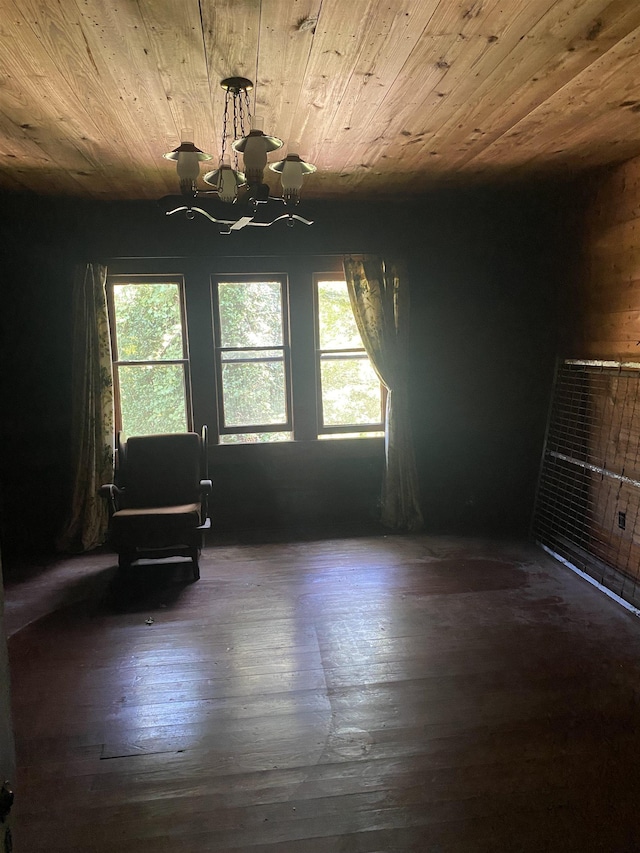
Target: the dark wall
(490, 275)
(486, 268)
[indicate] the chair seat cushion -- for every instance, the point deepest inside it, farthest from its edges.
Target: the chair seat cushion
(156, 524)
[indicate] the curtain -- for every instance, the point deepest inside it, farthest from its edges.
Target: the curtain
(92, 412)
(380, 301)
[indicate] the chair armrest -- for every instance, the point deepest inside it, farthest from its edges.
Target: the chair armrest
(111, 492)
(206, 487)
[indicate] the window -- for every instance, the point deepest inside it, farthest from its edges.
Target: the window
(252, 359)
(350, 398)
(151, 377)
(261, 357)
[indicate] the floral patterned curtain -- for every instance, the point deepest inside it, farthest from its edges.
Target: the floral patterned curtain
(380, 300)
(92, 430)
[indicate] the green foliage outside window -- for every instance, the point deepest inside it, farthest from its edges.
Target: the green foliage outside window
(253, 378)
(148, 325)
(148, 322)
(349, 385)
(350, 392)
(336, 324)
(250, 313)
(152, 399)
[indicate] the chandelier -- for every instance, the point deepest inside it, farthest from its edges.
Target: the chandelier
(239, 198)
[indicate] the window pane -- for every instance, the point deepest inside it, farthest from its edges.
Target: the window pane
(254, 393)
(152, 398)
(350, 392)
(336, 323)
(250, 313)
(148, 322)
(255, 437)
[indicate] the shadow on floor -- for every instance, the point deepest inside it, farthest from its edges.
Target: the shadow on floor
(148, 586)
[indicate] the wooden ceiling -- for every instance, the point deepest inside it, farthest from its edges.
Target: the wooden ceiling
(386, 96)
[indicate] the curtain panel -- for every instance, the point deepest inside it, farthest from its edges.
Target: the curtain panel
(92, 412)
(379, 296)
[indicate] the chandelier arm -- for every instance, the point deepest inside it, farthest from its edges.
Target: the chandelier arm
(242, 222)
(188, 208)
(289, 216)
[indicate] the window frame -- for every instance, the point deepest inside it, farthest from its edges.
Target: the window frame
(216, 279)
(338, 429)
(195, 274)
(117, 363)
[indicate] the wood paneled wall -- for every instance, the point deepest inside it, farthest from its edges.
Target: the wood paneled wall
(611, 330)
(602, 307)
(613, 425)
(609, 293)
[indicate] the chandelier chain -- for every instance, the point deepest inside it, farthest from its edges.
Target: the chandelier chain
(235, 128)
(225, 120)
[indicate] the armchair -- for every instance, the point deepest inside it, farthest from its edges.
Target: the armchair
(159, 500)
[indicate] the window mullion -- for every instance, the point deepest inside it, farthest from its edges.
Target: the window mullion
(303, 354)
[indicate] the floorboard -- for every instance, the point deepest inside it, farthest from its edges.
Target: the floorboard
(371, 695)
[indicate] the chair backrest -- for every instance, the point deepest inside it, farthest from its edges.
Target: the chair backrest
(162, 470)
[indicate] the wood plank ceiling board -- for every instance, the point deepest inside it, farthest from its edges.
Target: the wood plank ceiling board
(159, 77)
(65, 41)
(95, 55)
(391, 34)
(585, 115)
(115, 40)
(606, 127)
(473, 106)
(35, 168)
(342, 33)
(385, 96)
(561, 73)
(41, 114)
(286, 38)
(456, 38)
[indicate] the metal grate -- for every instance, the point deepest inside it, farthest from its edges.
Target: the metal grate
(588, 503)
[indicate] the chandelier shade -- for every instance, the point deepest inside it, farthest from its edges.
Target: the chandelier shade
(226, 181)
(254, 149)
(187, 159)
(292, 171)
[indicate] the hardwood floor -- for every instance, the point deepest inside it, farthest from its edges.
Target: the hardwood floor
(380, 694)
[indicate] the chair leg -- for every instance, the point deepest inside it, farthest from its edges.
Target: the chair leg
(195, 554)
(125, 558)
